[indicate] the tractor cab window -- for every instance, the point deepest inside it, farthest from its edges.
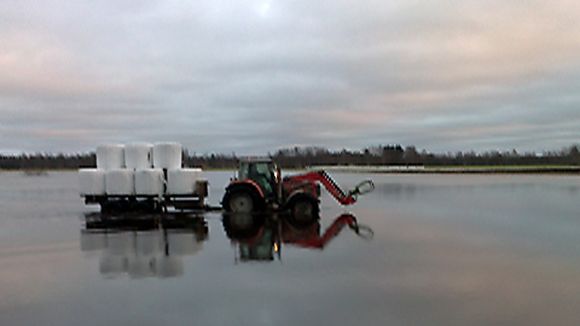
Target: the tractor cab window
(253, 170)
(264, 168)
(262, 173)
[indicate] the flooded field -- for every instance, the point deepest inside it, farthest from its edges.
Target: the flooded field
(446, 250)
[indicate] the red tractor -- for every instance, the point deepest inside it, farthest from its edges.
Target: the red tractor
(260, 187)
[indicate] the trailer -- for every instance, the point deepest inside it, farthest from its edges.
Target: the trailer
(152, 203)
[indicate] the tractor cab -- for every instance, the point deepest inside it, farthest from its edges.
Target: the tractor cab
(263, 172)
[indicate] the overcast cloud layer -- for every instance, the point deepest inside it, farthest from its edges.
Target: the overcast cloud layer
(254, 76)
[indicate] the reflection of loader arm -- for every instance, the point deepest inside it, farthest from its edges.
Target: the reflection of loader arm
(330, 185)
(330, 233)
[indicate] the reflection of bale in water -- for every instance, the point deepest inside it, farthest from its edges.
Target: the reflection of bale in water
(93, 241)
(148, 243)
(141, 254)
(113, 265)
(240, 226)
(183, 223)
(140, 267)
(168, 266)
(183, 244)
(120, 243)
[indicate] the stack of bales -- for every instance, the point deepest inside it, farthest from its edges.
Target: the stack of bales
(139, 169)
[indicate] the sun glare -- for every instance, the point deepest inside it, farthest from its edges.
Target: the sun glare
(264, 9)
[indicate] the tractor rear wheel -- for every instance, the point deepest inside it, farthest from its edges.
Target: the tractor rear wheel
(241, 202)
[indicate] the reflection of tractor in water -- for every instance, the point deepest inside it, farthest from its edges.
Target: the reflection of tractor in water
(259, 186)
(260, 238)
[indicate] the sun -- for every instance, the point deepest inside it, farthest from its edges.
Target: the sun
(264, 8)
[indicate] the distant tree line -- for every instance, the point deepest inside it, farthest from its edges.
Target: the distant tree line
(300, 157)
(43, 161)
(399, 155)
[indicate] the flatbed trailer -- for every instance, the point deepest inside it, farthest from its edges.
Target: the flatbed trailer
(153, 203)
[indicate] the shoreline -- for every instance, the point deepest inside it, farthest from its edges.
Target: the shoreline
(502, 169)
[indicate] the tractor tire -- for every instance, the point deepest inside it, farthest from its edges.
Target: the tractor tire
(304, 210)
(241, 202)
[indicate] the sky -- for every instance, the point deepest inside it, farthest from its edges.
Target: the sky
(255, 76)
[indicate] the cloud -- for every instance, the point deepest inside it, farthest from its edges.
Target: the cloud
(255, 76)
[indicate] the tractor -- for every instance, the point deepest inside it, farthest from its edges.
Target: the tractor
(259, 187)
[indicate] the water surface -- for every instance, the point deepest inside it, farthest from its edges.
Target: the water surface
(447, 250)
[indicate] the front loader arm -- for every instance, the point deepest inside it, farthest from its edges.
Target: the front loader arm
(333, 188)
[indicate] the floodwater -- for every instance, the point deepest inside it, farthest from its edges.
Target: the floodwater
(446, 250)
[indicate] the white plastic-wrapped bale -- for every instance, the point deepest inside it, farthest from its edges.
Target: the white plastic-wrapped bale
(120, 182)
(139, 156)
(149, 182)
(182, 181)
(167, 155)
(110, 157)
(92, 182)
